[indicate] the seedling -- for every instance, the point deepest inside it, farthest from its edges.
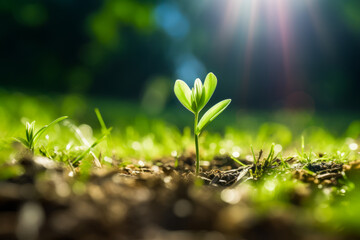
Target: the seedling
(32, 137)
(195, 100)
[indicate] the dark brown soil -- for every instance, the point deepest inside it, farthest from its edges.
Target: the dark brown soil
(155, 201)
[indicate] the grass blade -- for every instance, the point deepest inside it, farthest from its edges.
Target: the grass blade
(101, 120)
(87, 151)
(44, 128)
(23, 141)
(239, 162)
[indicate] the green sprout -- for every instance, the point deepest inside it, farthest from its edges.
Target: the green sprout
(32, 137)
(195, 100)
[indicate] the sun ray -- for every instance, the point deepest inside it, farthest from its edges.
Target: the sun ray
(228, 26)
(249, 48)
(286, 42)
(274, 26)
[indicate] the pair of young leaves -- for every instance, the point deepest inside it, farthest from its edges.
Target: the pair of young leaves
(196, 99)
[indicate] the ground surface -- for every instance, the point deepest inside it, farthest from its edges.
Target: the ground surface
(160, 201)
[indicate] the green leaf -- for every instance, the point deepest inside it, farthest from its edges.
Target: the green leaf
(23, 141)
(30, 128)
(211, 114)
(209, 87)
(199, 96)
(183, 93)
(198, 89)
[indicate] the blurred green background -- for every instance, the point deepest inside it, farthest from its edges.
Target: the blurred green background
(275, 54)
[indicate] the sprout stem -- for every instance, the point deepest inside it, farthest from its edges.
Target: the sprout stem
(197, 145)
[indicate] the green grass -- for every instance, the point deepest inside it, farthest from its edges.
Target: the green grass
(136, 135)
(83, 142)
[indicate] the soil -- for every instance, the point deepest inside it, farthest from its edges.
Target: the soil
(150, 201)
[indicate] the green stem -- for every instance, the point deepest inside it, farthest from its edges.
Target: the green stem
(197, 145)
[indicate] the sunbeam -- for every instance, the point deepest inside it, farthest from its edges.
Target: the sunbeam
(285, 35)
(249, 48)
(273, 26)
